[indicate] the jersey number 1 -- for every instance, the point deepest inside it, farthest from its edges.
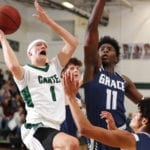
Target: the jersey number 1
(52, 91)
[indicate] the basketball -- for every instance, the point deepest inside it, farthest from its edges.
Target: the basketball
(10, 19)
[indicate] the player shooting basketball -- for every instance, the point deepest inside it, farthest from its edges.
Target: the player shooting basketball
(41, 88)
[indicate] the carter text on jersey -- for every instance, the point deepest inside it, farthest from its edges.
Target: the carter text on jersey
(51, 79)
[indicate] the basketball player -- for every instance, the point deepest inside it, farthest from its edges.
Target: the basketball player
(40, 85)
(68, 126)
(104, 88)
(140, 123)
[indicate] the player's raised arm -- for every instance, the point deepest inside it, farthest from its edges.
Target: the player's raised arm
(10, 57)
(91, 56)
(70, 41)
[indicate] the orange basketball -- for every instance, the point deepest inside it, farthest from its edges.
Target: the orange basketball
(10, 19)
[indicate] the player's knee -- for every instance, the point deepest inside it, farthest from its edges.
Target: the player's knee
(74, 144)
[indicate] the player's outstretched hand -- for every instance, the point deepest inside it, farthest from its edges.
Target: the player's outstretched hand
(41, 13)
(111, 125)
(71, 84)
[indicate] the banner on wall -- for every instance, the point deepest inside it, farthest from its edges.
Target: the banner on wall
(135, 51)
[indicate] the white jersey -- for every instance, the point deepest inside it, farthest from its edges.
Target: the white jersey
(43, 94)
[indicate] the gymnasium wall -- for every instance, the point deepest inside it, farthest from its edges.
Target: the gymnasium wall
(127, 25)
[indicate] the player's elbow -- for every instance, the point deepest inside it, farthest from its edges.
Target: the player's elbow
(72, 46)
(74, 43)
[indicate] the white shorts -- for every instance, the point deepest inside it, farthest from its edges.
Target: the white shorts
(29, 140)
(37, 136)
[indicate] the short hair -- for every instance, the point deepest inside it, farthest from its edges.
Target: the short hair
(111, 41)
(73, 61)
(144, 107)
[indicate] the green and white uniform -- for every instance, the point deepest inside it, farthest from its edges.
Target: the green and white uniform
(43, 93)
